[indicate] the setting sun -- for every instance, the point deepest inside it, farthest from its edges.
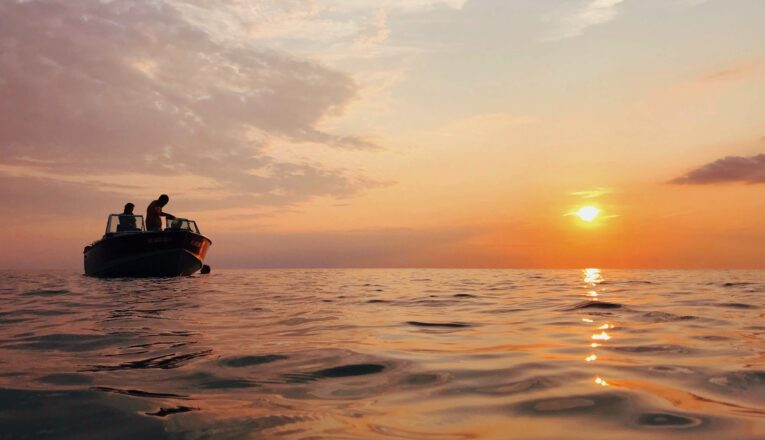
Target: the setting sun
(588, 213)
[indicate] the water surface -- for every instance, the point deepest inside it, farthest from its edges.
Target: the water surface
(365, 354)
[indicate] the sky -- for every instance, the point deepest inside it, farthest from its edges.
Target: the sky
(390, 133)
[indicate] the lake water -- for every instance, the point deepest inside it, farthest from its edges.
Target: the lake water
(373, 354)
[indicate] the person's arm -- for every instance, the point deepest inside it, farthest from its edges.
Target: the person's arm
(167, 215)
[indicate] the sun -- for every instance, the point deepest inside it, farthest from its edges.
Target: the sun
(587, 213)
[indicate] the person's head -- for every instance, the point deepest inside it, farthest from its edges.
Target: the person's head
(163, 199)
(128, 209)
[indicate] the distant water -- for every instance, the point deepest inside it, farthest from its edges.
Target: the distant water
(373, 354)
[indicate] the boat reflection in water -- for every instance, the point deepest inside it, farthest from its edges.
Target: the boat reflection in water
(128, 250)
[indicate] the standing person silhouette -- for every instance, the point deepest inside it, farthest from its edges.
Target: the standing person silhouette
(154, 212)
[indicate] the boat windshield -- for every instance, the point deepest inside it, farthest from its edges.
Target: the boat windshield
(182, 224)
(122, 223)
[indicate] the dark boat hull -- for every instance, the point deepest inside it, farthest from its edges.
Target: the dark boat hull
(147, 254)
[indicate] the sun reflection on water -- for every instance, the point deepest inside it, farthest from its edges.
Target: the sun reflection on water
(592, 277)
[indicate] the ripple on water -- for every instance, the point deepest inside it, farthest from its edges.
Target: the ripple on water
(529, 385)
(139, 393)
(737, 284)
(733, 305)
(671, 369)
(667, 420)
(46, 292)
(711, 338)
(66, 379)
(659, 317)
(336, 372)
(741, 379)
(248, 361)
(68, 342)
(208, 381)
(597, 305)
(165, 362)
(439, 324)
(589, 405)
(164, 412)
(651, 349)
(423, 379)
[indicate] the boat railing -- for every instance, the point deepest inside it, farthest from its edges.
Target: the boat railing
(182, 224)
(119, 224)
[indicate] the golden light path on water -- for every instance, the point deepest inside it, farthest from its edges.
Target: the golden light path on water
(592, 278)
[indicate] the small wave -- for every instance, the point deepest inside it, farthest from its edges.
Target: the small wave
(46, 292)
(596, 305)
(649, 349)
(464, 295)
(593, 405)
(207, 381)
(671, 369)
(350, 370)
(66, 379)
(423, 379)
(164, 412)
(166, 362)
(741, 379)
(336, 372)
(246, 361)
(664, 317)
(68, 342)
(439, 324)
(736, 305)
(139, 393)
(667, 420)
(711, 338)
(529, 385)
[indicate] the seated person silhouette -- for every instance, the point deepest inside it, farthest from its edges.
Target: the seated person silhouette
(127, 219)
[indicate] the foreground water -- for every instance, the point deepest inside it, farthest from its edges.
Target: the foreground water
(364, 354)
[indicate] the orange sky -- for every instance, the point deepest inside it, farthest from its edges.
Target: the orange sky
(421, 133)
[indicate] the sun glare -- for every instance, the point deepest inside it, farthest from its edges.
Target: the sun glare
(588, 213)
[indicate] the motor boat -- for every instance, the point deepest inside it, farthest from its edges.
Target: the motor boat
(127, 249)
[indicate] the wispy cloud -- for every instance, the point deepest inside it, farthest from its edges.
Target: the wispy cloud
(593, 13)
(728, 169)
(592, 193)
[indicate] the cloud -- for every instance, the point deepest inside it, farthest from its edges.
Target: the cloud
(124, 89)
(592, 193)
(593, 13)
(728, 169)
(377, 30)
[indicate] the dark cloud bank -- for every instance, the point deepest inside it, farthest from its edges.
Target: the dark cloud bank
(728, 169)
